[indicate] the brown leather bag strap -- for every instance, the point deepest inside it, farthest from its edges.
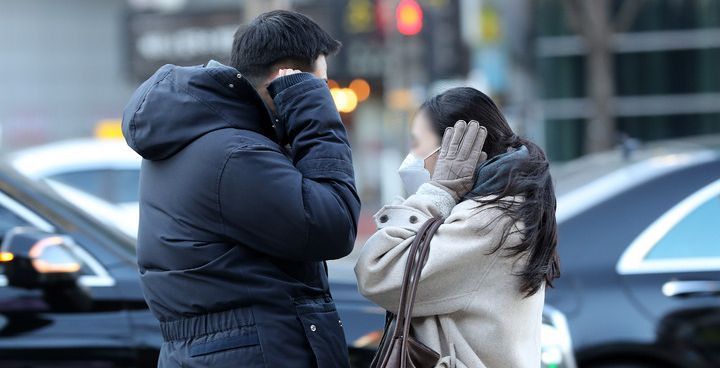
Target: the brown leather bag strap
(416, 259)
(420, 258)
(384, 345)
(423, 253)
(410, 267)
(388, 339)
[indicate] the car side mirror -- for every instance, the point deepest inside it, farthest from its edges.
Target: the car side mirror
(34, 259)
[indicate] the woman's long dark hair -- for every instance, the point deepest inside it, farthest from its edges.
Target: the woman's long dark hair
(530, 179)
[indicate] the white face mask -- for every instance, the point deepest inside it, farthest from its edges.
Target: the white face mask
(413, 172)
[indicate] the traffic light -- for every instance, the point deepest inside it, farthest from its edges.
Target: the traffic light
(409, 17)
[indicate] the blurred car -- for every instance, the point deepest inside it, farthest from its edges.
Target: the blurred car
(640, 251)
(98, 175)
(557, 347)
(50, 323)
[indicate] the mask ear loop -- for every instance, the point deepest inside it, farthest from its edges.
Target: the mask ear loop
(431, 153)
(428, 156)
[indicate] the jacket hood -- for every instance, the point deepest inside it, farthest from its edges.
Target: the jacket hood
(179, 104)
(493, 175)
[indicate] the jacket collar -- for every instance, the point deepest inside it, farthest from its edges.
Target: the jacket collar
(493, 175)
(241, 87)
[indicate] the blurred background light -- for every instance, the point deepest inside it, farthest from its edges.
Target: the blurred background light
(333, 84)
(361, 87)
(409, 17)
(108, 129)
(345, 99)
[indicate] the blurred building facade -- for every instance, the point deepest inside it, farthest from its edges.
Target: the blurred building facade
(665, 80)
(62, 68)
(69, 64)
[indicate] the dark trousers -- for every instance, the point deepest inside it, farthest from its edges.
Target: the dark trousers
(224, 339)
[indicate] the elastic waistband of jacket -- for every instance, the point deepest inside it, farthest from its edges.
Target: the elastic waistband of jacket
(206, 324)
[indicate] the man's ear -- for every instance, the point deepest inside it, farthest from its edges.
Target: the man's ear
(271, 76)
(262, 89)
(319, 67)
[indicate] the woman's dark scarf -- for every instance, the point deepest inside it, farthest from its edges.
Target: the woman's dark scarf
(492, 176)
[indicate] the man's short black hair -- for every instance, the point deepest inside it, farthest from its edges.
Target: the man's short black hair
(279, 36)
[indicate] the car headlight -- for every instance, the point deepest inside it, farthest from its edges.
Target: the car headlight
(555, 339)
(552, 350)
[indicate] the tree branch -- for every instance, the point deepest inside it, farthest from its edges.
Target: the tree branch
(573, 14)
(626, 15)
(580, 15)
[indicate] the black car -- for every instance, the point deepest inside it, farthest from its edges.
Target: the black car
(639, 240)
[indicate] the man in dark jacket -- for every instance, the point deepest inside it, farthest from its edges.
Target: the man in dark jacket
(246, 189)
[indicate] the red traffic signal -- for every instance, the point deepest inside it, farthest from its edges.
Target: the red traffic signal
(409, 17)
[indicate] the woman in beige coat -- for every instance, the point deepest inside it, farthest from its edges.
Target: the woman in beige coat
(480, 297)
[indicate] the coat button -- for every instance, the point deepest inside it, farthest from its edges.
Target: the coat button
(340, 322)
(231, 85)
(384, 219)
(413, 219)
(239, 75)
(313, 328)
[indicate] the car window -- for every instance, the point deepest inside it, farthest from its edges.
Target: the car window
(126, 186)
(112, 185)
(9, 220)
(95, 182)
(695, 236)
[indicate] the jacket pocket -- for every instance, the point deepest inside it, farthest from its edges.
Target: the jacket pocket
(229, 347)
(323, 328)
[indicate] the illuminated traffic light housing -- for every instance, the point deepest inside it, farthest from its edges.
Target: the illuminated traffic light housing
(409, 17)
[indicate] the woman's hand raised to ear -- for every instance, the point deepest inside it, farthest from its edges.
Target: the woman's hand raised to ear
(460, 155)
